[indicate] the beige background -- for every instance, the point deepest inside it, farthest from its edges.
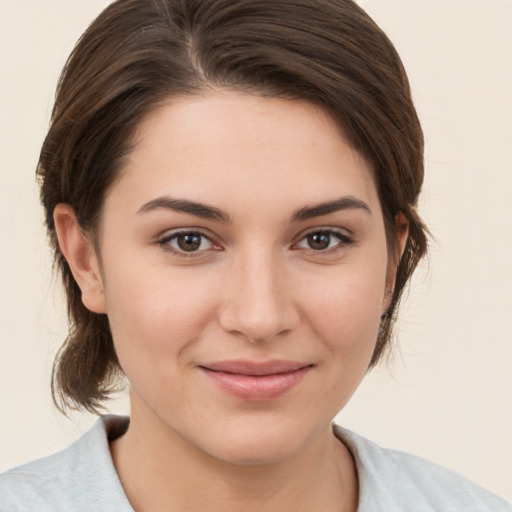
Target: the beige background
(447, 392)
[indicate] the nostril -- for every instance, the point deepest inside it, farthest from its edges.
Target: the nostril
(256, 329)
(256, 303)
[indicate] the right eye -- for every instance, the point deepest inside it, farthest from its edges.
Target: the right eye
(186, 243)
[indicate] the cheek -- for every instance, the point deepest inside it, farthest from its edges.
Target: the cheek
(155, 313)
(345, 310)
(346, 318)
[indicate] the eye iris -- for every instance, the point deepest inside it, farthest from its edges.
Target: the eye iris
(189, 242)
(319, 241)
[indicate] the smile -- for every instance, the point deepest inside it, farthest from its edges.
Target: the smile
(256, 381)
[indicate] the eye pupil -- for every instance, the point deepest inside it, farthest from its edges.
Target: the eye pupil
(319, 241)
(189, 242)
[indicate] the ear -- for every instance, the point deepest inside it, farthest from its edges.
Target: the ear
(81, 256)
(401, 234)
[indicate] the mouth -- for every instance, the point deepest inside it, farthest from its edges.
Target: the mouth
(255, 381)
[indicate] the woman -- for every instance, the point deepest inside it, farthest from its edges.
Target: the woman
(230, 190)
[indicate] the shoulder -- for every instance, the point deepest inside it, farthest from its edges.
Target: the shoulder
(60, 481)
(394, 480)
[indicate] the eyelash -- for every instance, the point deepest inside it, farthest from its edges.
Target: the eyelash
(164, 242)
(343, 240)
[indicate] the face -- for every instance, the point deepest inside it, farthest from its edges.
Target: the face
(244, 272)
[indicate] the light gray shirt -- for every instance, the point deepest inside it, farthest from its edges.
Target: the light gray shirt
(82, 478)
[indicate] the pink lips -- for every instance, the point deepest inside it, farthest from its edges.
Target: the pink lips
(256, 381)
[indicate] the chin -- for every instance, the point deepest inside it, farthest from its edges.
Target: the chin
(253, 453)
(260, 442)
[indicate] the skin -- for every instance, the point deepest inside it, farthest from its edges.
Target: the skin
(256, 288)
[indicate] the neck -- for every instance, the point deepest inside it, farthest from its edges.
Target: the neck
(162, 471)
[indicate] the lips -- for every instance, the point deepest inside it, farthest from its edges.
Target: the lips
(256, 381)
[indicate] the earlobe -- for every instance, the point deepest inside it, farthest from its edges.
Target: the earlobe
(401, 234)
(79, 252)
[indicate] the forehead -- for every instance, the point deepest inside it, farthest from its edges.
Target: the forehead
(223, 146)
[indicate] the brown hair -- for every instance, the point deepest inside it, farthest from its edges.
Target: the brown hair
(138, 53)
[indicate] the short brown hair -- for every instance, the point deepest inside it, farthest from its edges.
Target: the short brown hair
(138, 53)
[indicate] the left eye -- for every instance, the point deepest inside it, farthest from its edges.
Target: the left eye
(188, 242)
(322, 240)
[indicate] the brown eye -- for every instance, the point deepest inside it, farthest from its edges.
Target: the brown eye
(319, 241)
(324, 240)
(189, 242)
(186, 243)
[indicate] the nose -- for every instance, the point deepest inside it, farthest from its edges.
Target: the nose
(258, 303)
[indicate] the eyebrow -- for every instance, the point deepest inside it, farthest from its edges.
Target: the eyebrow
(205, 211)
(185, 206)
(343, 203)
